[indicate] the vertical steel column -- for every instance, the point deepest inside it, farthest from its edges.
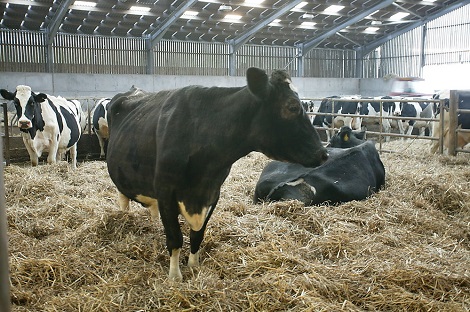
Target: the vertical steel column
(453, 105)
(422, 52)
(4, 266)
(7, 134)
(150, 57)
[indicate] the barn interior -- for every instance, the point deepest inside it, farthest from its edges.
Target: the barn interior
(70, 247)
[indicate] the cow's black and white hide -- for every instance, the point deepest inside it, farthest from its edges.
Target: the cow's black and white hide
(47, 123)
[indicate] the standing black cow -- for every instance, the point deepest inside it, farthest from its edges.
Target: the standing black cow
(351, 173)
(172, 150)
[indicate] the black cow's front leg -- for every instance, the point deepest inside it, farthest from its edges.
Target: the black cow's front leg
(196, 238)
(174, 238)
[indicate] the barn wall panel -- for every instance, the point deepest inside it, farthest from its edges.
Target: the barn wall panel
(446, 42)
(330, 63)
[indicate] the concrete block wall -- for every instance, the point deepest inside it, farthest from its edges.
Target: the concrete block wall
(98, 86)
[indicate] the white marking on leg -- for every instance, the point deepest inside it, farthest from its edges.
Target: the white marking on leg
(175, 272)
(196, 220)
(123, 201)
(193, 260)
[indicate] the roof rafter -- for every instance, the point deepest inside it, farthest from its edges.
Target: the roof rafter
(158, 33)
(309, 45)
(57, 19)
(241, 39)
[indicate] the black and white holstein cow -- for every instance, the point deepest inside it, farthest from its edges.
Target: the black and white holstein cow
(100, 123)
(372, 109)
(329, 105)
(47, 123)
(414, 110)
(172, 150)
(353, 171)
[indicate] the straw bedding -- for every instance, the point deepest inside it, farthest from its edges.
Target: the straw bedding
(406, 248)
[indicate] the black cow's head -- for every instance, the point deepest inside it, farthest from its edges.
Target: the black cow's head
(26, 103)
(282, 129)
(346, 138)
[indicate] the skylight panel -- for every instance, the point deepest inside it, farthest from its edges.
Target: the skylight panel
(254, 2)
(371, 29)
(88, 4)
(399, 16)
(334, 8)
(189, 14)
(276, 22)
(233, 17)
(139, 9)
(300, 5)
(307, 25)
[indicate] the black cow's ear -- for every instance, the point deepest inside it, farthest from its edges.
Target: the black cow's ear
(40, 97)
(360, 135)
(258, 82)
(7, 95)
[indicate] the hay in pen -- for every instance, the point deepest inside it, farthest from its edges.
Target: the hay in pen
(406, 248)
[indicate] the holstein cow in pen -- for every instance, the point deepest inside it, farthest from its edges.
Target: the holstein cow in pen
(47, 123)
(100, 123)
(309, 107)
(329, 105)
(353, 171)
(414, 110)
(372, 109)
(172, 150)
(463, 122)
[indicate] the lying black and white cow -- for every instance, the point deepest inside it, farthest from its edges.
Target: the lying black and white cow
(414, 110)
(372, 109)
(463, 122)
(329, 105)
(47, 123)
(100, 123)
(352, 173)
(172, 150)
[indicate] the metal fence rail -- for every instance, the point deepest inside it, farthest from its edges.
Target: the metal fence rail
(380, 118)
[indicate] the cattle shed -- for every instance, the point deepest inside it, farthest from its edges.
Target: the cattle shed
(406, 248)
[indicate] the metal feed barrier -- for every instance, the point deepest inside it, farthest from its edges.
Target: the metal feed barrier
(453, 111)
(89, 102)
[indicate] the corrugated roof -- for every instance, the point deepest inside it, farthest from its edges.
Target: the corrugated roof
(270, 22)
